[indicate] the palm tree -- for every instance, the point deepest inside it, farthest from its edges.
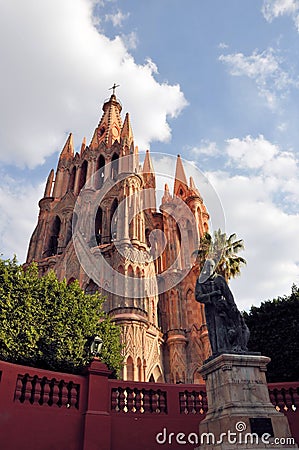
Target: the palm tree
(230, 263)
(223, 251)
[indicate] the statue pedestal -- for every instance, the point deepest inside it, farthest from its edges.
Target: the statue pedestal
(240, 414)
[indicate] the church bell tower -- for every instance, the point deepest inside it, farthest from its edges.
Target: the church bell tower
(99, 223)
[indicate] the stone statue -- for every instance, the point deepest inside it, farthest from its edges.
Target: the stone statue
(228, 332)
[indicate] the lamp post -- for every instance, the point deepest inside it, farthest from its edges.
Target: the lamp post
(97, 413)
(96, 346)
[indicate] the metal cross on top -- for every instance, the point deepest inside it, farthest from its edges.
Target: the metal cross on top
(113, 88)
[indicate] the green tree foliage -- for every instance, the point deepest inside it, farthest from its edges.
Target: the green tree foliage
(274, 331)
(224, 251)
(49, 324)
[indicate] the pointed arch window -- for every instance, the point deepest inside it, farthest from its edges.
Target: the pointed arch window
(190, 307)
(113, 219)
(130, 271)
(114, 165)
(159, 316)
(130, 369)
(83, 175)
(139, 368)
(147, 236)
(74, 221)
(192, 241)
(91, 287)
(69, 230)
(53, 245)
(100, 172)
(72, 179)
(98, 226)
(137, 288)
(179, 234)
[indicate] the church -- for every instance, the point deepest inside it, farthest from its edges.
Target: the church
(99, 223)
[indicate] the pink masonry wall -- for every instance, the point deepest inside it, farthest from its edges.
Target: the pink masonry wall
(44, 410)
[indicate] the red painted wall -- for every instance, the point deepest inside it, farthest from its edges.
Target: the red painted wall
(138, 430)
(27, 424)
(44, 410)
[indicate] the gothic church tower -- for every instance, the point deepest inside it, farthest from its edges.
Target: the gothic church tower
(139, 257)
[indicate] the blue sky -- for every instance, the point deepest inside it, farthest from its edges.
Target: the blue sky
(216, 81)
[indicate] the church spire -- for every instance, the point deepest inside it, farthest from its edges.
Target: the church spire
(180, 183)
(110, 125)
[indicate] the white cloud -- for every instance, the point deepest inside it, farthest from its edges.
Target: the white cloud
(282, 127)
(259, 153)
(250, 152)
(58, 69)
(277, 168)
(259, 190)
(270, 236)
(265, 68)
(223, 45)
(272, 9)
(18, 215)
(117, 18)
(284, 166)
(206, 148)
(257, 65)
(130, 40)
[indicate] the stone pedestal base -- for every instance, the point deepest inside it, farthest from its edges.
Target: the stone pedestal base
(240, 414)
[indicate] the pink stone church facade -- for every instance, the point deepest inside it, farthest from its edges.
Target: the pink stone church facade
(163, 328)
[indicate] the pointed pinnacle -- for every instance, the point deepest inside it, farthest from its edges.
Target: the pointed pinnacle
(192, 184)
(49, 184)
(166, 197)
(180, 172)
(83, 145)
(148, 165)
(126, 131)
(180, 181)
(68, 149)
